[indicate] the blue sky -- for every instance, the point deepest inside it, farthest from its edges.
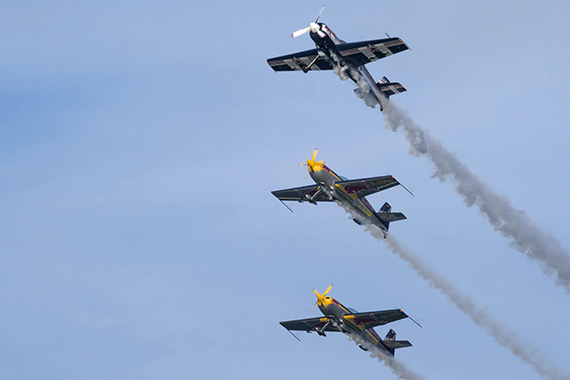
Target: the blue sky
(139, 145)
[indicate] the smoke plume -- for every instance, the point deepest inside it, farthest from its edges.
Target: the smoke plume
(500, 332)
(525, 235)
(504, 336)
(363, 90)
(398, 368)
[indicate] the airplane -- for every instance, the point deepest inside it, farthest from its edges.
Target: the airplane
(350, 193)
(358, 326)
(346, 59)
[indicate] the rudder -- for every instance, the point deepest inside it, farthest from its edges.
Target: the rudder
(390, 336)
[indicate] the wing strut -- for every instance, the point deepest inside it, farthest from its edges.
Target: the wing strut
(306, 69)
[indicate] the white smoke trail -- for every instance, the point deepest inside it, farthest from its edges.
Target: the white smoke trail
(505, 337)
(397, 367)
(526, 236)
(363, 91)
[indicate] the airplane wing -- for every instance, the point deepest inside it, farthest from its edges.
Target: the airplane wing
(360, 53)
(301, 194)
(366, 186)
(376, 318)
(309, 325)
(298, 61)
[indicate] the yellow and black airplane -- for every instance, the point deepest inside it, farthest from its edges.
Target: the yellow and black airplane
(350, 193)
(359, 326)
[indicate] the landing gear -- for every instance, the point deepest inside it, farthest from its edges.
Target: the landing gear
(307, 68)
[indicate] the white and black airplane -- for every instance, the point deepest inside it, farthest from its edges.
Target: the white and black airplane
(347, 59)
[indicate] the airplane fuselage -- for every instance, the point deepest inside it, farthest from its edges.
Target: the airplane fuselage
(327, 181)
(336, 314)
(326, 42)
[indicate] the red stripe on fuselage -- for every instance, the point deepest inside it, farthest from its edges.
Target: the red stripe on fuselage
(331, 172)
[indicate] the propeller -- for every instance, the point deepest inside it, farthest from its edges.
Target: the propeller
(321, 297)
(314, 27)
(312, 164)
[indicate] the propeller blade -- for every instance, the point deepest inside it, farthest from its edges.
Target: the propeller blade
(317, 301)
(315, 304)
(320, 13)
(300, 32)
(315, 154)
(328, 289)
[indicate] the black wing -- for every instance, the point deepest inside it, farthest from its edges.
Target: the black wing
(300, 60)
(310, 324)
(363, 52)
(376, 318)
(301, 194)
(366, 186)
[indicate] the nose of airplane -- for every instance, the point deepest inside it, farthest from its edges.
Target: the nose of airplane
(315, 165)
(318, 175)
(322, 299)
(314, 27)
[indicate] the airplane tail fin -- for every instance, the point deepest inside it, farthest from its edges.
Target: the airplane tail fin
(391, 335)
(392, 344)
(386, 216)
(389, 88)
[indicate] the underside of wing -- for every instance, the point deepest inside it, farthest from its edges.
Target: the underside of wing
(311, 324)
(394, 344)
(302, 194)
(299, 61)
(378, 318)
(366, 186)
(360, 53)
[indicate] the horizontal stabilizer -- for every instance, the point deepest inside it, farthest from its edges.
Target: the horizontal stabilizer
(393, 344)
(390, 216)
(390, 88)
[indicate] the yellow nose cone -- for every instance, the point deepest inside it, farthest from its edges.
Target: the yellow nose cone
(315, 165)
(322, 299)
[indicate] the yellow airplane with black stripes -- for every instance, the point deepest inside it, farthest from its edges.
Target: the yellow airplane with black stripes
(350, 193)
(359, 326)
